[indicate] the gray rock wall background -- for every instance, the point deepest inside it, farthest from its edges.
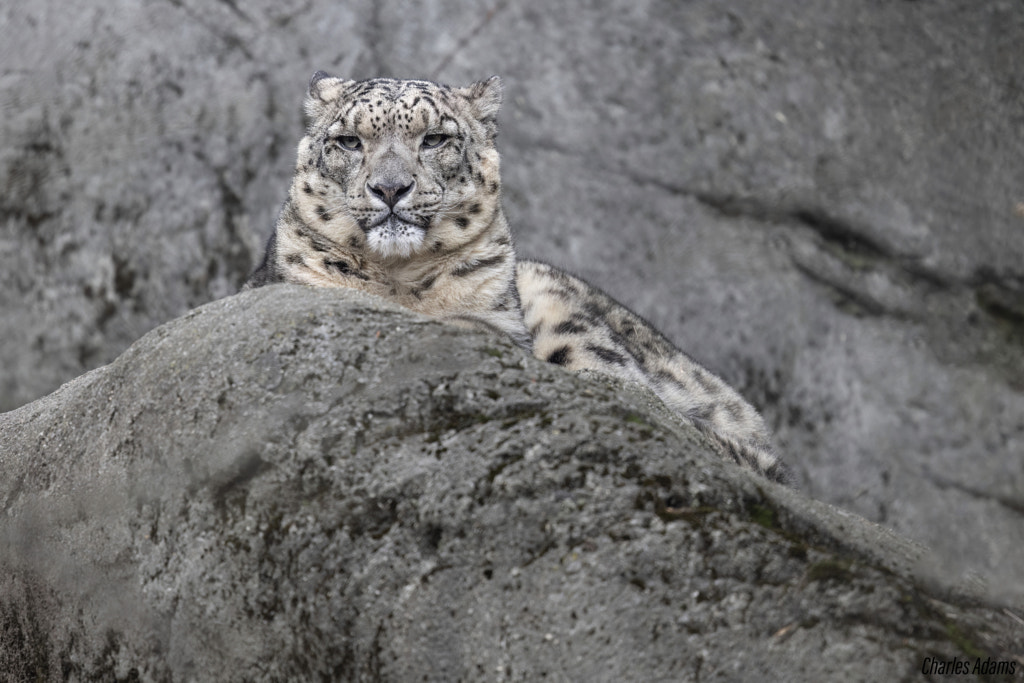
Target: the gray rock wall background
(822, 202)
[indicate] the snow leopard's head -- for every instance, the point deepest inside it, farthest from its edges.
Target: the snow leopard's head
(399, 167)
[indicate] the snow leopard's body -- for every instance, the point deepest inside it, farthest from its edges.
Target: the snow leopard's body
(397, 192)
(577, 326)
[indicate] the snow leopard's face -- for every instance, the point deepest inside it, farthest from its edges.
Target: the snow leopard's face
(399, 168)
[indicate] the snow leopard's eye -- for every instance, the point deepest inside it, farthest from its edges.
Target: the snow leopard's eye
(349, 142)
(434, 140)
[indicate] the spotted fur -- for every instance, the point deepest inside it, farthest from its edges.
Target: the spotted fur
(397, 192)
(579, 327)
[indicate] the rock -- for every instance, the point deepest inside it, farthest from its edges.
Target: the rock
(821, 202)
(300, 484)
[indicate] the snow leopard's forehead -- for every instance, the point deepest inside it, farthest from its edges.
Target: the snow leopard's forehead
(394, 89)
(381, 105)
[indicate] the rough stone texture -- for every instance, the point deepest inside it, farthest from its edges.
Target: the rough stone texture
(296, 484)
(822, 201)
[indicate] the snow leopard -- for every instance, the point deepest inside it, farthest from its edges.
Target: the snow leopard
(397, 192)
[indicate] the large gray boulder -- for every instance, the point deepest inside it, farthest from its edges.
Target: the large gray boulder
(822, 201)
(299, 484)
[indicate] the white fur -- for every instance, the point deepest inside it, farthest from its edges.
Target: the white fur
(394, 238)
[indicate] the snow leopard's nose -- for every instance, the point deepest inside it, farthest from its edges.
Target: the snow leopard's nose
(389, 192)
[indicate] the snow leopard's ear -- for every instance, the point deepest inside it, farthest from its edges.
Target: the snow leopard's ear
(485, 100)
(323, 89)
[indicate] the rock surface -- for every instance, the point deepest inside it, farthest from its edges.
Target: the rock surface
(298, 484)
(821, 201)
